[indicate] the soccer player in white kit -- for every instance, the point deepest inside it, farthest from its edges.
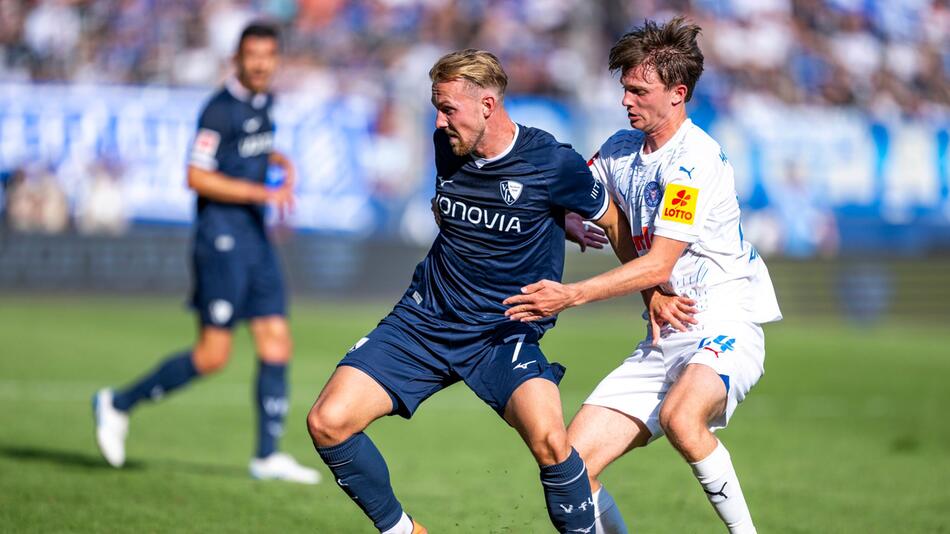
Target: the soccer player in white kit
(705, 349)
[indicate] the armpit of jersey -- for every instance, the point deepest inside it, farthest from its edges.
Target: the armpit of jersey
(205, 149)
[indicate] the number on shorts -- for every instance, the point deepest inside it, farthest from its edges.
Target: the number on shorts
(520, 338)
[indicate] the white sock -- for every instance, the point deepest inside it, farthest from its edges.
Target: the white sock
(403, 526)
(607, 518)
(719, 481)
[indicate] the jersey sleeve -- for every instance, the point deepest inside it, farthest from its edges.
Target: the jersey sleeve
(575, 188)
(690, 191)
(212, 128)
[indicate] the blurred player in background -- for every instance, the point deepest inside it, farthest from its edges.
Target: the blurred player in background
(677, 189)
(502, 192)
(236, 272)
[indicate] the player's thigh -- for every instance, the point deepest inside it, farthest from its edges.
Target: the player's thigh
(348, 403)
(213, 348)
(266, 294)
(399, 357)
(698, 396)
(508, 358)
(272, 338)
(220, 280)
(636, 389)
(601, 435)
(534, 410)
(717, 373)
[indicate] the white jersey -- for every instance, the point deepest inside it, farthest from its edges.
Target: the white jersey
(686, 191)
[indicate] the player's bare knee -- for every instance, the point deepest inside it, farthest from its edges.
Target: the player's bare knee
(208, 360)
(274, 347)
(684, 430)
(329, 425)
(275, 351)
(551, 447)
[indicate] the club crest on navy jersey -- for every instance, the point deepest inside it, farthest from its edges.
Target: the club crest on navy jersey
(510, 191)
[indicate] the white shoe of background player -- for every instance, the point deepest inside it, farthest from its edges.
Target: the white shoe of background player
(282, 466)
(111, 428)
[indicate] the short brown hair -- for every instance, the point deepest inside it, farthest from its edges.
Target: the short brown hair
(670, 50)
(479, 67)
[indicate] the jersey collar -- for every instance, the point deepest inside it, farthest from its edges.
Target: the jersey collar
(481, 162)
(238, 91)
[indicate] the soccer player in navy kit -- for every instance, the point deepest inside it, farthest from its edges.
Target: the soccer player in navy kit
(502, 192)
(236, 273)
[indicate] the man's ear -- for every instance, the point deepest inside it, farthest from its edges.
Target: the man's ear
(489, 103)
(679, 95)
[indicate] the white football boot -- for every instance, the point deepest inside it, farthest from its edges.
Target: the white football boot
(112, 426)
(282, 466)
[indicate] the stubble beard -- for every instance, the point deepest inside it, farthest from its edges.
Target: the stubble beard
(463, 148)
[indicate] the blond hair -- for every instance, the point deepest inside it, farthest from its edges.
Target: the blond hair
(477, 67)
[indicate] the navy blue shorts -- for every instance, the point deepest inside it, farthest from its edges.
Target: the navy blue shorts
(413, 362)
(235, 277)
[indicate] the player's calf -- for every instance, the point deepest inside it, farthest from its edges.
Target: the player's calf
(349, 402)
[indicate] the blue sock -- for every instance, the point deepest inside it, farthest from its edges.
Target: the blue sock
(567, 495)
(271, 406)
(170, 375)
(609, 520)
(361, 472)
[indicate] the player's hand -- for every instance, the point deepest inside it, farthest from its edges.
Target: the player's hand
(586, 235)
(539, 300)
(282, 198)
(673, 310)
(436, 214)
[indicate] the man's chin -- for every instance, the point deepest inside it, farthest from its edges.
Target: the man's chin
(459, 148)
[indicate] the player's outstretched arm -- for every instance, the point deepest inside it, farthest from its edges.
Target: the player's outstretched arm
(546, 298)
(223, 188)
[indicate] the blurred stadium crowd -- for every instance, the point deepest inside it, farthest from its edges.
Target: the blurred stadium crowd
(885, 56)
(835, 113)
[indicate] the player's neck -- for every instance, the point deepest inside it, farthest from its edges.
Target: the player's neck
(499, 134)
(663, 133)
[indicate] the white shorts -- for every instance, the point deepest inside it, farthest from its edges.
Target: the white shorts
(735, 350)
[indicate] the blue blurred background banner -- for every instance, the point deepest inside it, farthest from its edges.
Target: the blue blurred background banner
(139, 137)
(812, 180)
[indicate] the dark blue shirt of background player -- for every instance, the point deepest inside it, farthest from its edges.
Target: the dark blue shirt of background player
(235, 138)
(502, 226)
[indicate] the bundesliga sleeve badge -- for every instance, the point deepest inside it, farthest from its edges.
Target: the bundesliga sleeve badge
(205, 148)
(679, 204)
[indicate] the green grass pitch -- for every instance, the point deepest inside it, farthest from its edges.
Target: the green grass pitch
(847, 432)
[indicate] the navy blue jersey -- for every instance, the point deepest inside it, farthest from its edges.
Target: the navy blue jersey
(235, 137)
(502, 227)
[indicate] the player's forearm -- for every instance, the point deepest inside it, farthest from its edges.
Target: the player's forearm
(223, 188)
(621, 242)
(637, 275)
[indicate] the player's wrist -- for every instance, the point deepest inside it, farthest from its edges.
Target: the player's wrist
(258, 194)
(579, 293)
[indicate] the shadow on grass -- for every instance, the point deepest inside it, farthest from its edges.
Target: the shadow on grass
(95, 462)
